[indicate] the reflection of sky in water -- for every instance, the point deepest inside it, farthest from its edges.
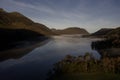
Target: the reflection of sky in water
(37, 63)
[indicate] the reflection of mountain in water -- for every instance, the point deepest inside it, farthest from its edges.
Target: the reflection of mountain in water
(20, 52)
(40, 60)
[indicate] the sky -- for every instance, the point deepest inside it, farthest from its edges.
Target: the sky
(89, 14)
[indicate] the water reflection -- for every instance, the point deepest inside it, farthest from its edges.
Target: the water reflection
(21, 51)
(36, 64)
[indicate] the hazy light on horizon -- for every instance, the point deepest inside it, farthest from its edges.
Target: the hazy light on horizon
(89, 14)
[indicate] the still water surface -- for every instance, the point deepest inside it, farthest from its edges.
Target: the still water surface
(36, 64)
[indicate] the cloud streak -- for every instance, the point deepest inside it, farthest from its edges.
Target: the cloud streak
(89, 14)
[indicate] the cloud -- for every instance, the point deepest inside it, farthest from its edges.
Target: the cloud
(89, 14)
(41, 8)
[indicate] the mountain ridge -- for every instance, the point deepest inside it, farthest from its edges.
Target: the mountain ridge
(70, 30)
(16, 20)
(102, 32)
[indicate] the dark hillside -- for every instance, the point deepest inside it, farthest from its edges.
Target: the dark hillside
(12, 37)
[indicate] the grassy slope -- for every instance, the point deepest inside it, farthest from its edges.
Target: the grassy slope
(15, 20)
(86, 68)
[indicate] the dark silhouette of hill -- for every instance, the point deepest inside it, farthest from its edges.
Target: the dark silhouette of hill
(10, 38)
(111, 45)
(114, 33)
(107, 32)
(102, 32)
(71, 30)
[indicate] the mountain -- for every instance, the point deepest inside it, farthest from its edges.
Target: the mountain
(115, 33)
(18, 30)
(102, 32)
(107, 32)
(71, 30)
(112, 39)
(15, 20)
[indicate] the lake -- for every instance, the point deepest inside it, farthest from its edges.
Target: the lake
(35, 64)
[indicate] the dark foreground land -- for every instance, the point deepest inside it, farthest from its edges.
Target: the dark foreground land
(88, 76)
(86, 68)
